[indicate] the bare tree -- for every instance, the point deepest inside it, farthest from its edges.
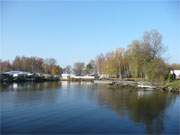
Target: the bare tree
(67, 69)
(78, 68)
(5, 66)
(100, 60)
(152, 41)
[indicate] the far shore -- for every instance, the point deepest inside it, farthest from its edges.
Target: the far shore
(112, 83)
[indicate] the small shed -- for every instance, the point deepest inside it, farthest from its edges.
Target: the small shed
(177, 73)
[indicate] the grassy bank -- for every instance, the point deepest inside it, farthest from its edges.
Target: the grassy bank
(173, 86)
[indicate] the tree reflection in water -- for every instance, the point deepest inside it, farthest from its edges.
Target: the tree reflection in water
(145, 107)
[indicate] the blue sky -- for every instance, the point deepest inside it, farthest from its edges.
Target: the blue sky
(78, 31)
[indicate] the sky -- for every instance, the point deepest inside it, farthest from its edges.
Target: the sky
(72, 31)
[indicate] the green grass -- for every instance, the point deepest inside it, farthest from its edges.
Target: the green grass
(175, 85)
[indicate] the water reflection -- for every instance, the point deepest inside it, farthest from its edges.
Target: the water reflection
(30, 86)
(145, 107)
(148, 108)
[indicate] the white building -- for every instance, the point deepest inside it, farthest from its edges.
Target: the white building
(84, 77)
(65, 76)
(72, 76)
(177, 73)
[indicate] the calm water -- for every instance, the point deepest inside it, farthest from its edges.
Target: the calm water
(49, 108)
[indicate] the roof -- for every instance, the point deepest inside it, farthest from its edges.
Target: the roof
(17, 72)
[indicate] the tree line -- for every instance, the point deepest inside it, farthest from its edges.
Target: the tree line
(31, 64)
(80, 68)
(142, 59)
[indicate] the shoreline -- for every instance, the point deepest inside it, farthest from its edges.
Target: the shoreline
(116, 84)
(136, 84)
